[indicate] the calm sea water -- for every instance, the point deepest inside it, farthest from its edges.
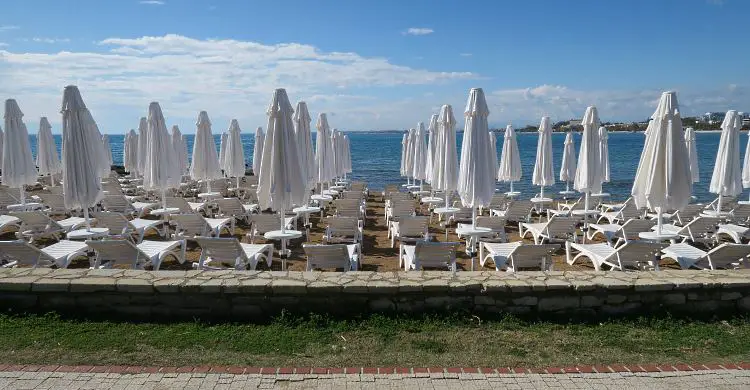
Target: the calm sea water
(376, 158)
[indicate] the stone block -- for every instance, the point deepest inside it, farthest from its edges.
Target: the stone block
(744, 304)
(211, 286)
(21, 283)
(167, 286)
(615, 299)
(382, 288)
(51, 285)
(591, 301)
(730, 296)
(673, 299)
(255, 286)
(496, 286)
(323, 288)
(355, 287)
(135, 285)
(518, 286)
(484, 300)
(525, 301)
(625, 308)
(93, 284)
(652, 285)
(558, 303)
(382, 304)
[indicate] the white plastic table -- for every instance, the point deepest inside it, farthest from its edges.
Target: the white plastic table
(283, 236)
(164, 214)
(432, 200)
(540, 202)
(87, 234)
(209, 195)
(473, 233)
(337, 188)
(441, 211)
(28, 206)
(567, 193)
(656, 237)
(330, 192)
(512, 194)
(743, 202)
(716, 214)
(306, 211)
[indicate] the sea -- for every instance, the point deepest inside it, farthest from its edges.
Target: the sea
(376, 158)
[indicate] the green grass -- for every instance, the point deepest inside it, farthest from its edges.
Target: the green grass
(373, 341)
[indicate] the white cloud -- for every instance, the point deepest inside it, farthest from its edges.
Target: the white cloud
(562, 103)
(466, 54)
(152, 2)
(418, 31)
(51, 40)
(8, 28)
(3, 44)
(228, 78)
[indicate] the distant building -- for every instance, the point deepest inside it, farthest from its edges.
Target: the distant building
(713, 117)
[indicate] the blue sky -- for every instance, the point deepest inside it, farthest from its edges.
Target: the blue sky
(373, 65)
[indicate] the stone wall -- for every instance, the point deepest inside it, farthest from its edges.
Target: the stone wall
(254, 295)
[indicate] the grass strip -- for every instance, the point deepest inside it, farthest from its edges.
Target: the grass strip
(373, 341)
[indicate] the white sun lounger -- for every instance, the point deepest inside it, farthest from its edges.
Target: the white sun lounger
(118, 225)
(193, 225)
(701, 229)
(264, 223)
(22, 253)
(233, 207)
(231, 250)
(633, 254)
(555, 228)
(342, 229)
(517, 211)
(146, 253)
(409, 229)
(36, 224)
(723, 256)
(121, 204)
(513, 256)
(343, 256)
(429, 254)
(9, 223)
(625, 232)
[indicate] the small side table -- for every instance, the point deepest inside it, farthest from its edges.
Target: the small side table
(306, 211)
(164, 214)
(87, 234)
(283, 236)
(443, 212)
(473, 233)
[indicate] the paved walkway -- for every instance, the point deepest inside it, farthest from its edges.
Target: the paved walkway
(704, 379)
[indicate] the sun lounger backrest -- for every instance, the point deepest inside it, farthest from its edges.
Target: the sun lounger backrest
(37, 221)
(558, 227)
(117, 204)
(221, 249)
(413, 226)
(532, 256)
(342, 226)
(518, 211)
(118, 251)
(115, 222)
(180, 203)
(402, 208)
(741, 214)
(359, 186)
(435, 254)
(7, 199)
(231, 207)
(327, 256)
(191, 225)
(688, 213)
(497, 224)
(634, 253)
(633, 226)
(724, 255)
(629, 210)
(55, 203)
(263, 223)
(700, 227)
(24, 253)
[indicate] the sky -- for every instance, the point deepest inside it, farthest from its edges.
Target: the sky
(372, 65)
